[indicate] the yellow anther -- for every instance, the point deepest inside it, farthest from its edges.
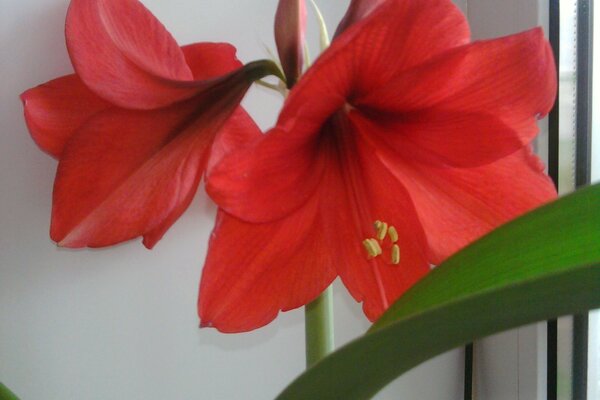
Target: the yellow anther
(395, 254)
(367, 245)
(376, 246)
(372, 247)
(382, 231)
(393, 234)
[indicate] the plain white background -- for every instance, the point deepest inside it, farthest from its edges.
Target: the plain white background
(120, 323)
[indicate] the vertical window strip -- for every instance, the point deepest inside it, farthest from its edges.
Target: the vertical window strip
(582, 173)
(553, 156)
(468, 390)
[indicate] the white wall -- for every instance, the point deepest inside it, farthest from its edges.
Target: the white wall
(120, 323)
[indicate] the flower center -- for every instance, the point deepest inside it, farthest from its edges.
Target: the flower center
(374, 245)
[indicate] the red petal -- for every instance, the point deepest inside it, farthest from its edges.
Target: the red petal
(54, 110)
(210, 60)
(371, 52)
(367, 192)
(353, 190)
(237, 131)
(512, 78)
(357, 10)
(130, 173)
(445, 138)
(253, 271)
(458, 205)
(124, 54)
(290, 27)
(269, 179)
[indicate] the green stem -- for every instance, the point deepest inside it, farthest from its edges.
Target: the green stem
(318, 317)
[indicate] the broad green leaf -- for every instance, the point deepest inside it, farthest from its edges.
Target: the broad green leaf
(6, 394)
(540, 266)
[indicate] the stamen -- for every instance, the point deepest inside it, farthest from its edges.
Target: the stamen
(395, 254)
(393, 234)
(372, 247)
(382, 231)
(368, 247)
(376, 246)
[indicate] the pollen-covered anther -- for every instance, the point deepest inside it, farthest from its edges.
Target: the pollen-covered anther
(382, 230)
(372, 247)
(393, 234)
(395, 254)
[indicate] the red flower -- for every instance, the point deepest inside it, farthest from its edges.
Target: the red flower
(134, 128)
(401, 120)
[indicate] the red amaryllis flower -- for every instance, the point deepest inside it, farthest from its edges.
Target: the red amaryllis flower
(401, 123)
(134, 128)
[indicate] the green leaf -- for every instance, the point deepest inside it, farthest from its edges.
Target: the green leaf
(540, 266)
(6, 394)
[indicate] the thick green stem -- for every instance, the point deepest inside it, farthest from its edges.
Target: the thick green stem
(318, 317)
